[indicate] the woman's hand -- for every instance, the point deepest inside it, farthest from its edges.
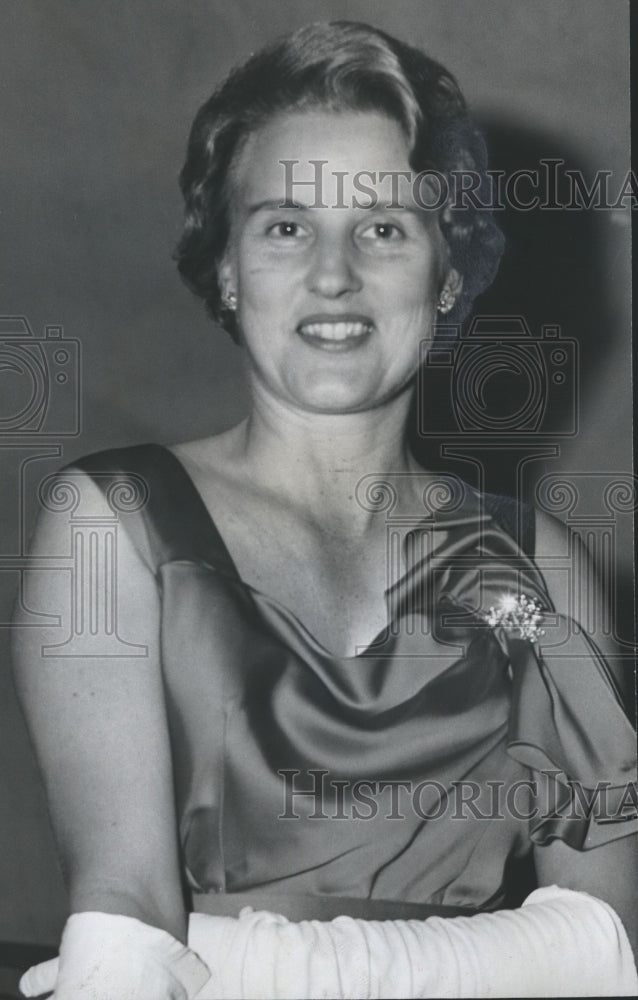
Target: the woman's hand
(104, 956)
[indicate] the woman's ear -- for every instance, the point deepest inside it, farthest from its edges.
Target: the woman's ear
(226, 273)
(453, 283)
(228, 284)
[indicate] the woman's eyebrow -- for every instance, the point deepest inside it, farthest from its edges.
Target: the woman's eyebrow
(273, 204)
(380, 205)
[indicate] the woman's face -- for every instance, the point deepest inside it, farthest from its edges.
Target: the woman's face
(337, 289)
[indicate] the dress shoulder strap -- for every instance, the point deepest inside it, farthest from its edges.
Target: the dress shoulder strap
(516, 517)
(169, 521)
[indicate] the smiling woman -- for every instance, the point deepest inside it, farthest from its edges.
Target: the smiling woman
(356, 732)
(333, 302)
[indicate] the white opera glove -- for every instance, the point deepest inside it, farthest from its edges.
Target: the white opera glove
(104, 956)
(560, 943)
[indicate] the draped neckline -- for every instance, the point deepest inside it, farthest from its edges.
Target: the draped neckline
(468, 512)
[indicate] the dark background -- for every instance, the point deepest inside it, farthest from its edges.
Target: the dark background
(96, 101)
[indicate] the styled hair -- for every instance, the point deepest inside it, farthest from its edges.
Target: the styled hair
(336, 66)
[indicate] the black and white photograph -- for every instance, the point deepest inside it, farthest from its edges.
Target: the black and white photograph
(317, 614)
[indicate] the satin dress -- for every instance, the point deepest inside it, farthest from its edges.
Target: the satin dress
(417, 770)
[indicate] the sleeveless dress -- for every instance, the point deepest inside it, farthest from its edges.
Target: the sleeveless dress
(418, 770)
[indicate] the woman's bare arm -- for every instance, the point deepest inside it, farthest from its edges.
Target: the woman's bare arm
(100, 733)
(610, 871)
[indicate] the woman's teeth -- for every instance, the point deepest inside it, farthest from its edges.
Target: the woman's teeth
(335, 331)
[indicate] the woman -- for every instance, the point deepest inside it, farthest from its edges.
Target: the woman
(298, 681)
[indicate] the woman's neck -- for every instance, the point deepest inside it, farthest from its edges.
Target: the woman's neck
(317, 459)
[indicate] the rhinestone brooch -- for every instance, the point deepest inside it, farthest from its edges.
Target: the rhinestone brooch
(517, 613)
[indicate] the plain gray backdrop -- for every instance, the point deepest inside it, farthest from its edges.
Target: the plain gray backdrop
(97, 99)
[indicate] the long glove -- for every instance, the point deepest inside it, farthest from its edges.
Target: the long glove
(109, 957)
(560, 943)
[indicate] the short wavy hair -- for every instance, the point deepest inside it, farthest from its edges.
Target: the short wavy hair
(337, 66)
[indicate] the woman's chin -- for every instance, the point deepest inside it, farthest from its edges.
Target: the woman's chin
(341, 398)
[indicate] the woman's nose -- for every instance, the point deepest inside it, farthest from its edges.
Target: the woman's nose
(332, 272)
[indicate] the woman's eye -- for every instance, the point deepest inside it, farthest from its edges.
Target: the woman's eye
(383, 231)
(286, 230)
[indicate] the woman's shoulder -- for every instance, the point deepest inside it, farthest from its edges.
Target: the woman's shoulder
(148, 490)
(114, 483)
(88, 517)
(94, 486)
(148, 476)
(165, 495)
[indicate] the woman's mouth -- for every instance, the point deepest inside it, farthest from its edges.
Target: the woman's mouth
(335, 333)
